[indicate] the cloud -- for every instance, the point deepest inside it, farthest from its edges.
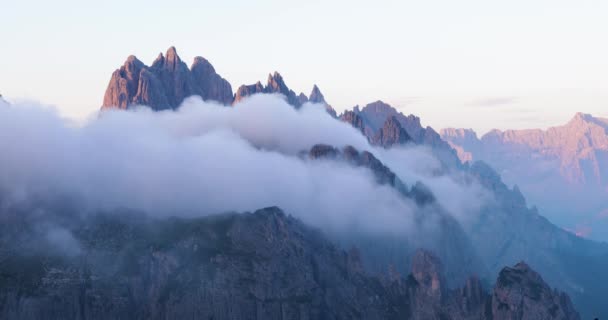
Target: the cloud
(206, 159)
(493, 102)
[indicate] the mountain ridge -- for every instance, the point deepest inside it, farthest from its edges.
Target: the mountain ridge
(563, 169)
(499, 237)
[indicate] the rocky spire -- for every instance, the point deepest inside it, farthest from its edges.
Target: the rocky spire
(276, 84)
(316, 96)
(302, 98)
(521, 291)
(165, 84)
(210, 84)
(427, 269)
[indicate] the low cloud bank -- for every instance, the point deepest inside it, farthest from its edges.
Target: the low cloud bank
(205, 159)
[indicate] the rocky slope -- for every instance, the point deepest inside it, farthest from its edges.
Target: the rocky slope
(507, 230)
(261, 265)
(563, 170)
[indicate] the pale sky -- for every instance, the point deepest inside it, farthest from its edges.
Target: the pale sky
(470, 63)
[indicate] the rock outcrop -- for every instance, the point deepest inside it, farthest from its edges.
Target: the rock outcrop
(261, 265)
(521, 293)
(276, 85)
(248, 90)
(165, 84)
(391, 134)
(353, 118)
(374, 116)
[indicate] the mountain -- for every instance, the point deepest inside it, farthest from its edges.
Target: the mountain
(563, 170)
(450, 242)
(391, 133)
(261, 265)
(504, 231)
(372, 120)
(165, 84)
(276, 85)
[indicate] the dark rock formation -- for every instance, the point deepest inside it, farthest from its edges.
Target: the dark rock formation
(262, 265)
(165, 84)
(375, 115)
(391, 134)
(212, 85)
(359, 159)
(317, 97)
(276, 84)
(302, 98)
(248, 90)
(353, 118)
(521, 293)
(428, 272)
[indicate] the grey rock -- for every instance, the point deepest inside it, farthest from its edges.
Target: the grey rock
(165, 84)
(261, 265)
(391, 133)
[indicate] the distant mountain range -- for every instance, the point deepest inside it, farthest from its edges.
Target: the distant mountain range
(505, 232)
(563, 170)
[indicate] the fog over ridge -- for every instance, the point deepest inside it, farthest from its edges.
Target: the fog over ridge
(205, 158)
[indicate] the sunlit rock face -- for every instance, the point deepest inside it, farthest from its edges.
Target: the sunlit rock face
(563, 170)
(165, 84)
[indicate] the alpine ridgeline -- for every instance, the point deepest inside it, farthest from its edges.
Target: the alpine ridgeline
(563, 170)
(505, 231)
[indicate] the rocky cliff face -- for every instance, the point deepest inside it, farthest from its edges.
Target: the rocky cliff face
(165, 84)
(378, 121)
(520, 292)
(261, 265)
(391, 133)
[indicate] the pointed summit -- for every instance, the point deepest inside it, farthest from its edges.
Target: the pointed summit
(581, 117)
(171, 52)
(209, 84)
(392, 133)
(316, 96)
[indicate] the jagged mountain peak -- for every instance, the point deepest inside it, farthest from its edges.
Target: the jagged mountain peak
(165, 84)
(391, 133)
(316, 96)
